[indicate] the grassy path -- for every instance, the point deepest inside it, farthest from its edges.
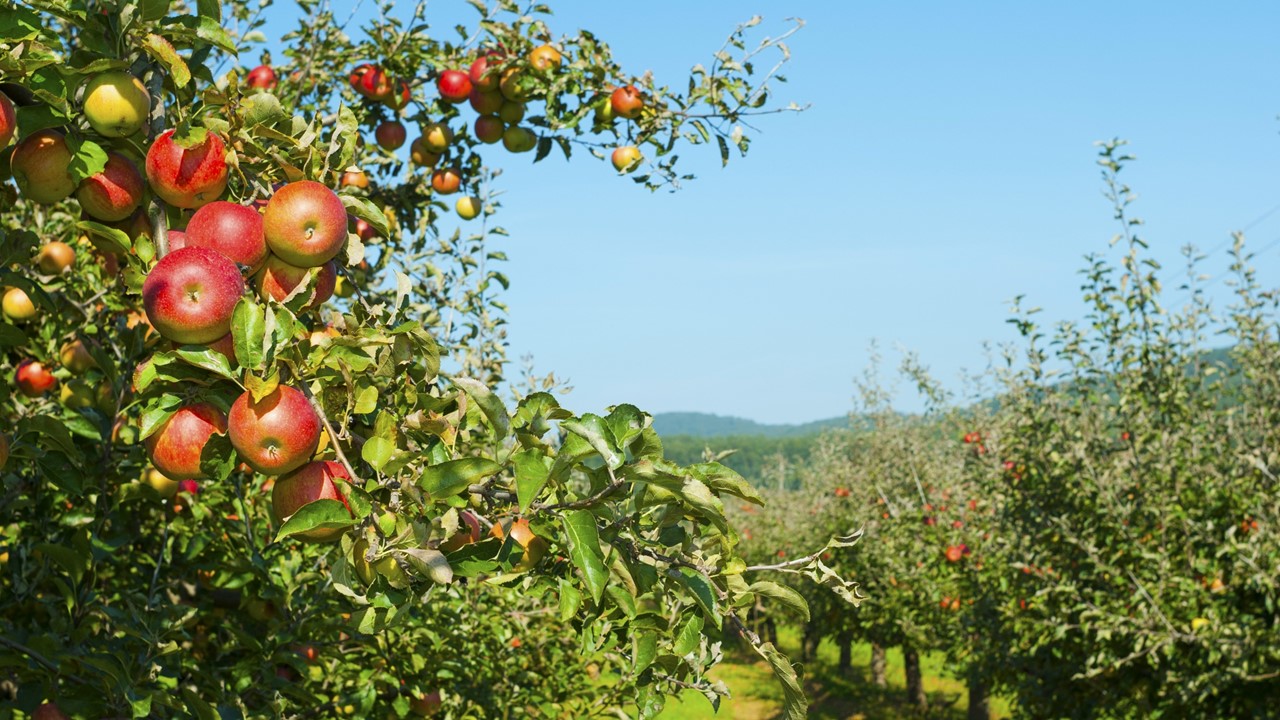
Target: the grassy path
(832, 695)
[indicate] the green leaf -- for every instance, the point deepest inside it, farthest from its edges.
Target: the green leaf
(367, 211)
(162, 50)
(430, 562)
(11, 335)
(626, 422)
(687, 638)
(570, 600)
(118, 238)
(248, 333)
(450, 478)
(209, 9)
(795, 704)
(532, 470)
(317, 515)
(154, 9)
(377, 451)
(644, 651)
(783, 595)
(366, 400)
(726, 480)
(703, 592)
(87, 158)
(206, 359)
(490, 404)
(584, 550)
(592, 428)
(212, 32)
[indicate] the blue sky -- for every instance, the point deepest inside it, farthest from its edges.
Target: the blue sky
(945, 166)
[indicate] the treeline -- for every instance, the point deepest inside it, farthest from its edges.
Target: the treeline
(765, 461)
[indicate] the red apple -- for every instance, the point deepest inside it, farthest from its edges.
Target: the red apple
(481, 76)
(305, 224)
(626, 102)
(454, 86)
(33, 378)
(278, 280)
(262, 77)
(390, 134)
(626, 158)
(311, 482)
(187, 177)
(177, 239)
(371, 82)
(8, 121)
(486, 102)
(489, 129)
(39, 166)
(113, 194)
(468, 532)
(425, 705)
(49, 711)
(362, 228)
(276, 434)
(175, 447)
(399, 97)
(534, 547)
(190, 294)
(954, 553)
(231, 229)
(446, 181)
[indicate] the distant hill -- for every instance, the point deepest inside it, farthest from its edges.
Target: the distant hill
(706, 425)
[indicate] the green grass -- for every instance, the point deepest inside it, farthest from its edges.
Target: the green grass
(832, 694)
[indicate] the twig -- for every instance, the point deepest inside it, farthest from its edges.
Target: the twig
(328, 426)
(42, 660)
(159, 225)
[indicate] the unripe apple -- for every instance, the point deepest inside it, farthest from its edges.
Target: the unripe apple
(231, 229)
(187, 177)
(17, 305)
(305, 224)
(627, 102)
(261, 77)
(421, 154)
(446, 181)
(468, 207)
(517, 139)
(175, 447)
(75, 357)
(113, 194)
(278, 280)
(39, 165)
(8, 121)
(276, 434)
(116, 104)
(190, 294)
(33, 378)
(513, 85)
(437, 137)
(454, 86)
(482, 78)
(626, 158)
(390, 134)
(311, 482)
(544, 57)
(511, 112)
(489, 129)
(486, 102)
(534, 546)
(55, 257)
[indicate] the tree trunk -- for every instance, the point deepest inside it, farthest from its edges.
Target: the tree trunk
(809, 644)
(845, 640)
(979, 703)
(915, 685)
(878, 664)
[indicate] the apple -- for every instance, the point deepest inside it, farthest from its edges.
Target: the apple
(518, 140)
(4, 450)
(8, 121)
(261, 77)
(425, 705)
(175, 447)
(437, 137)
(190, 294)
(954, 553)
(626, 102)
(177, 239)
(626, 158)
(187, 177)
(544, 57)
(17, 306)
(446, 181)
(55, 258)
(311, 482)
(511, 112)
(113, 194)
(371, 82)
(278, 280)
(468, 207)
(33, 378)
(480, 75)
(231, 229)
(390, 134)
(489, 129)
(513, 85)
(534, 546)
(39, 165)
(116, 104)
(468, 532)
(486, 102)
(76, 394)
(362, 228)
(167, 487)
(398, 98)
(454, 86)
(75, 357)
(305, 224)
(355, 179)
(276, 434)
(49, 711)
(420, 153)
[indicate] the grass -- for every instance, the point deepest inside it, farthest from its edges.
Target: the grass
(755, 694)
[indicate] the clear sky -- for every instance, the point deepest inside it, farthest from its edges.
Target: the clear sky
(945, 166)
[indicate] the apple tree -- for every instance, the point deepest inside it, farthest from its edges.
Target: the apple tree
(257, 459)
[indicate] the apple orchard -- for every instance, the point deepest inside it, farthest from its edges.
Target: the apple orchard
(261, 456)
